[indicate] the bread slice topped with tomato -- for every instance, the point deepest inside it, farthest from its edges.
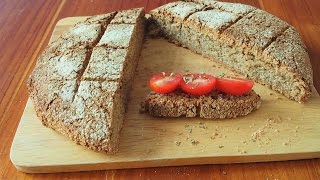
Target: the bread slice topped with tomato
(200, 95)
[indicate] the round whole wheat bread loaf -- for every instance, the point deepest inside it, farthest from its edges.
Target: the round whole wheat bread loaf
(249, 40)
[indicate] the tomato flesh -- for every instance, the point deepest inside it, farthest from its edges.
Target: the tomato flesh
(198, 84)
(234, 86)
(165, 82)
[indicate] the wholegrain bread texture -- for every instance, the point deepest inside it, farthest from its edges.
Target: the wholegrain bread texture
(249, 40)
(216, 105)
(80, 84)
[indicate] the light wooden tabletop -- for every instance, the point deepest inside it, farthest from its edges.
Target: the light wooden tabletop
(25, 28)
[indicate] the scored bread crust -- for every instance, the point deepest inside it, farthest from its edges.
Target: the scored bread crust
(80, 83)
(216, 105)
(249, 40)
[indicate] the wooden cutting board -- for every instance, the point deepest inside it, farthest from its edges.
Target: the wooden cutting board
(280, 130)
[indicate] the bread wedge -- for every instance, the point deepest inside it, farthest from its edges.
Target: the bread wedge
(246, 39)
(81, 81)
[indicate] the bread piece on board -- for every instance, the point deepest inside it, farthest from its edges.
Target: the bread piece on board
(80, 85)
(249, 40)
(214, 106)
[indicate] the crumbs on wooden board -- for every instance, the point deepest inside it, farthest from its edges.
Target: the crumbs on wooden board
(257, 134)
(261, 134)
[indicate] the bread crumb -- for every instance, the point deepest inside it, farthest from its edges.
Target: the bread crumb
(286, 143)
(244, 142)
(215, 134)
(224, 172)
(177, 143)
(203, 126)
(268, 140)
(242, 151)
(194, 142)
(148, 151)
(257, 134)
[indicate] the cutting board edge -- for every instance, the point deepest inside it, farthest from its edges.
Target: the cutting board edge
(164, 162)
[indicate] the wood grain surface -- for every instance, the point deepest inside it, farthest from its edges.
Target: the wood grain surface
(26, 26)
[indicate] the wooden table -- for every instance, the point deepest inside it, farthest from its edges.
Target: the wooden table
(25, 28)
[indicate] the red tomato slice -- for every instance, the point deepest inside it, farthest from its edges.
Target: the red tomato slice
(165, 82)
(198, 84)
(234, 86)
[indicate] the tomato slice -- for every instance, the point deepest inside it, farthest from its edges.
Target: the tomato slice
(234, 86)
(198, 84)
(165, 82)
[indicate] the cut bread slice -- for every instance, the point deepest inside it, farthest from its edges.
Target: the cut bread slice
(216, 105)
(249, 40)
(81, 81)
